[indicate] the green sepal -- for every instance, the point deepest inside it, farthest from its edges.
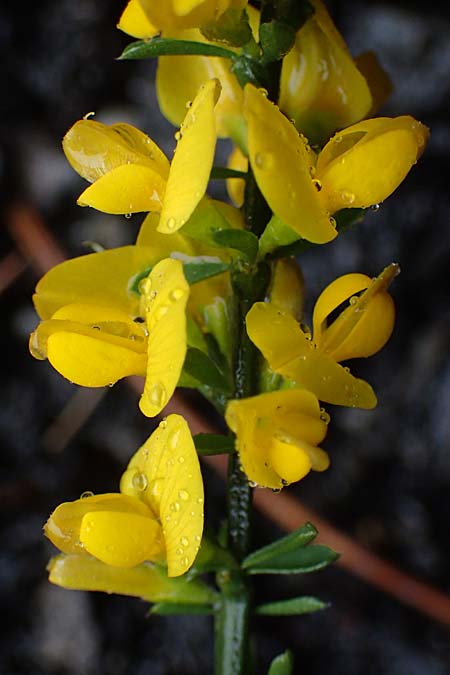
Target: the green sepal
(248, 67)
(277, 39)
(276, 235)
(240, 240)
(205, 221)
(223, 172)
(213, 444)
(172, 608)
(304, 604)
(159, 46)
(232, 28)
(282, 664)
(291, 542)
(308, 559)
(198, 268)
(211, 558)
(202, 368)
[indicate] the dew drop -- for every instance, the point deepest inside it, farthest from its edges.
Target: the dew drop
(88, 115)
(375, 207)
(176, 294)
(127, 215)
(188, 104)
(264, 160)
(347, 369)
(263, 91)
(317, 184)
(184, 495)
(276, 490)
(200, 500)
(173, 442)
(171, 223)
(252, 484)
(161, 312)
(338, 139)
(353, 300)
(347, 197)
(177, 135)
(163, 424)
(174, 506)
(193, 513)
(332, 221)
(156, 487)
(324, 416)
(184, 541)
(158, 394)
(184, 561)
(139, 481)
(86, 494)
(167, 519)
(181, 460)
(198, 537)
(179, 551)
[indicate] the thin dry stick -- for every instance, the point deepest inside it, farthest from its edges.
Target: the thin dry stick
(11, 267)
(32, 236)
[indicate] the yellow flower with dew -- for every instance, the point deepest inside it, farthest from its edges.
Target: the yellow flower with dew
(94, 345)
(129, 173)
(277, 436)
(322, 88)
(360, 330)
(157, 516)
(146, 18)
(359, 167)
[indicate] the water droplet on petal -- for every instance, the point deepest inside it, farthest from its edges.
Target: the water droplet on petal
(158, 394)
(176, 294)
(353, 300)
(184, 541)
(179, 550)
(127, 215)
(184, 561)
(174, 506)
(88, 115)
(317, 184)
(86, 494)
(163, 424)
(200, 500)
(171, 223)
(177, 135)
(347, 197)
(184, 495)
(161, 312)
(332, 221)
(181, 460)
(375, 207)
(324, 416)
(252, 484)
(188, 104)
(173, 441)
(139, 481)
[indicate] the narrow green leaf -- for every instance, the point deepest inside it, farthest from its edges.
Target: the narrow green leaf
(223, 172)
(281, 665)
(301, 605)
(172, 608)
(159, 46)
(277, 39)
(199, 365)
(290, 542)
(213, 444)
(308, 559)
(241, 240)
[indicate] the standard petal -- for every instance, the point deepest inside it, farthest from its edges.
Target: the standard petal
(281, 164)
(288, 287)
(102, 279)
(165, 296)
(174, 489)
(289, 353)
(191, 165)
(134, 22)
(130, 188)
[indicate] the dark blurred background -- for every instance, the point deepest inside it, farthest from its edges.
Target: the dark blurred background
(388, 486)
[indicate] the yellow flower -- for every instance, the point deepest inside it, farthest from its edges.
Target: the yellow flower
(277, 436)
(95, 342)
(172, 15)
(158, 516)
(321, 87)
(360, 166)
(360, 330)
(129, 173)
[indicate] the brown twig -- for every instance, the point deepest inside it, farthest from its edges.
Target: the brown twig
(11, 267)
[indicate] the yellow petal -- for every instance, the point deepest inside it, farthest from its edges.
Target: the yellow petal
(376, 77)
(163, 244)
(349, 167)
(165, 296)
(334, 295)
(291, 417)
(288, 287)
(191, 165)
(365, 326)
(93, 149)
(289, 353)
(98, 278)
(63, 526)
(146, 581)
(281, 164)
(236, 186)
(130, 188)
(134, 22)
(321, 87)
(121, 539)
(290, 462)
(179, 14)
(189, 73)
(174, 489)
